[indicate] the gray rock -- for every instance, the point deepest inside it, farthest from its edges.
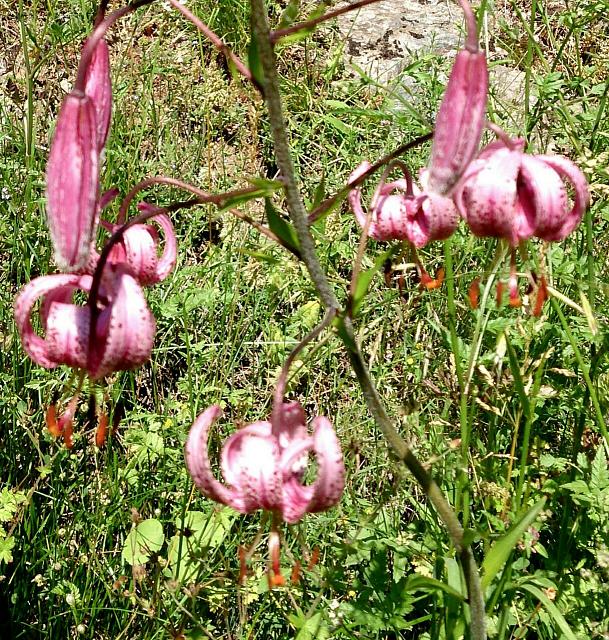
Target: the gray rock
(381, 38)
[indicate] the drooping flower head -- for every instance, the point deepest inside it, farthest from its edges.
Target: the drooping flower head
(460, 120)
(124, 330)
(507, 193)
(400, 210)
(263, 467)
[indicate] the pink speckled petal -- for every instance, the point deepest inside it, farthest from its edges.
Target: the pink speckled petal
(72, 182)
(327, 489)
(487, 199)
(198, 464)
(542, 199)
(581, 198)
(460, 121)
(36, 347)
(431, 217)
(390, 218)
(250, 464)
(67, 334)
(98, 86)
(125, 328)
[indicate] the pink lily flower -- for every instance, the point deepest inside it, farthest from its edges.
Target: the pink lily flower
(414, 215)
(139, 248)
(124, 331)
(263, 464)
(460, 120)
(509, 194)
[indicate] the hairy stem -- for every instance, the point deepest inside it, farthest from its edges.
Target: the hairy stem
(300, 220)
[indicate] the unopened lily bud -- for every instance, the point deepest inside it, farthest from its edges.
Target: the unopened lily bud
(98, 86)
(72, 182)
(460, 119)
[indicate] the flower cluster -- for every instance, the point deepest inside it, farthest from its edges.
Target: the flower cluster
(500, 191)
(115, 329)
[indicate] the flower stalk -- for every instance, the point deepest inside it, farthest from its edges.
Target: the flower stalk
(300, 219)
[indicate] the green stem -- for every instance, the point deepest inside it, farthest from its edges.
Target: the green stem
(298, 214)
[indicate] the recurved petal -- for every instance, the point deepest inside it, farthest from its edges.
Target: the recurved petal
(125, 329)
(250, 464)
(327, 489)
(431, 217)
(141, 246)
(72, 182)
(567, 170)
(390, 218)
(292, 426)
(98, 86)
(35, 346)
(543, 205)
(487, 199)
(197, 461)
(67, 334)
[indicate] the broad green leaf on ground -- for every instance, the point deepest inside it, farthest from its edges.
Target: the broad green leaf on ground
(143, 540)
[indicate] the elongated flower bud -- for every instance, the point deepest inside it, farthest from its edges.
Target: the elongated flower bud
(98, 86)
(460, 119)
(72, 182)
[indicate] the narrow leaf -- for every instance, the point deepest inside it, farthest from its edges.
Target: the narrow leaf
(498, 554)
(551, 608)
(281, 228)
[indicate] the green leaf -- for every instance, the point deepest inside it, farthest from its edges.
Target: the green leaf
(551, 608)
(253, 60)
(264, 188)
(498, 554)
(518, 383)
(6, 549)
(418, 582)
(365, 278)
(314, 628)
(282, 228)
(289, 14)
(143, 540)
(320, 191)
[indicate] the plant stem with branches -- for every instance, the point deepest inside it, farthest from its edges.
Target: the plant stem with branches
(298, 213)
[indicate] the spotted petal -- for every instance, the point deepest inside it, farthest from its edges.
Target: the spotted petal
(72, 182)
(327, 489)
(581, 199)
(198, 464)
(65, 334)
(250, 464)
(125, 328)
(98, 86)
(487, 197)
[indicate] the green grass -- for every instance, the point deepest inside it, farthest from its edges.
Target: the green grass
(226, 321)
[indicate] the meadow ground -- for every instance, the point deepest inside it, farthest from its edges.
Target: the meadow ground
(530, 428)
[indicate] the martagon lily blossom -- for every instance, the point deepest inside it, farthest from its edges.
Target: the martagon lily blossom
(124, 330)
(263, 464)
(510, 194)
(507, 193)
(400, 210)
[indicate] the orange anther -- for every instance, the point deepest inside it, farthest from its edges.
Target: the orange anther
(51, 420)
(473, 293)
(101, 431)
